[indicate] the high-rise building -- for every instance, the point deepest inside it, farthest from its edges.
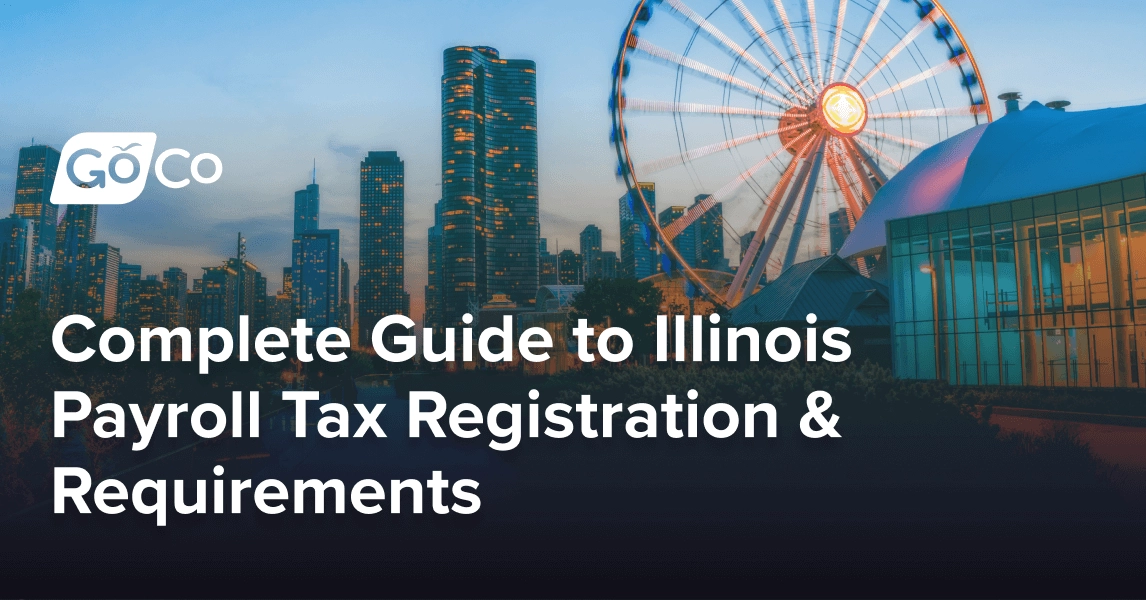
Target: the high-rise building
(306, 207)
(344, 306)
(314, 280)
(685, 241)
(175, 290)
(217, 300)
(381, 240)
(102, 263)
(489, 180)
(432, 317)
(590, 252)
(127, 311)
(708, 236)
(74, 233)
(152, 303)
(35, 175)
(608, 265)
(638, 254)
(15, 258)
(570, 268)
(546, 265)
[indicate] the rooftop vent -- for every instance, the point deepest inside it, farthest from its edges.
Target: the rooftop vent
(1058, 104)
(1011, 101)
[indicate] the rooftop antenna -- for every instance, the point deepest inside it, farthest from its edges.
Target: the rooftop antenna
(314, 172)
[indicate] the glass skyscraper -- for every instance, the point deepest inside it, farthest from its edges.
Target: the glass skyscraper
(432, 317)
(489, 180)
(314, 279)
(35, 175)
(1044, 291)
(306, 208)
(708, 235)
(381, 239)
(73, 235)
(102, 278)
(15, 256)
(590, 252)
(127, 310)
(638, 255)
(685, 241)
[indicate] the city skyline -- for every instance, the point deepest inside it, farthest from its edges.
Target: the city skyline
(270, 137)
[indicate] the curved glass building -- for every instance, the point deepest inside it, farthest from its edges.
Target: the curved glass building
(1016, 252)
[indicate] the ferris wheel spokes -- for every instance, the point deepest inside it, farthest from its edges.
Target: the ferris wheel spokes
(779, 4)
(923, 76)
(726, 191)
(754, 27)
(702, 69)
(814, 32)
(683, 11)
(870, 148)
(894, 138)
(919, 28)
(662, 106)
(841, 11)
(673, 160)
(875, 15)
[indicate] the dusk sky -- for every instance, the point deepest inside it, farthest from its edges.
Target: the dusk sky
(269, 87)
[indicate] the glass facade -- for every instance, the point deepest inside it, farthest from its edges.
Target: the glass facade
(314, 280)
(382, 242)
(1045, 291)
(35, 176)
(638, 256)
(490, 221)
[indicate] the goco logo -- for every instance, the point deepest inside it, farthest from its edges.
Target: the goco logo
(111, 168)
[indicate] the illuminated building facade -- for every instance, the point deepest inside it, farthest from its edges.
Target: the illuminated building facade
(490, 224)
(127, 311)
(35, 175)
(432, 316)
(102, 279)
(382, 239)
(638, 256)
(1016, 252)
(570, 268)
(590, 252)
(15, 256)
(314, 280)
(74, 233)
(1045, 291)
(708, 235)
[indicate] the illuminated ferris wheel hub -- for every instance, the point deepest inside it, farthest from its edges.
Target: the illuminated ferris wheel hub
(843, 110)
(781, 117)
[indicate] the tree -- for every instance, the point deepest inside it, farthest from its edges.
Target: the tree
(626, 303)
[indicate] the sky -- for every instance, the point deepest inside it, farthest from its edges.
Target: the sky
(272, 87)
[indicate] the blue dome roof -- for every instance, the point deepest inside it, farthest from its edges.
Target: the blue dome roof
(1027, 153)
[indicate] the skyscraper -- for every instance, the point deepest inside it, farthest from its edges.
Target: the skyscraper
(314, 280)
(175, 290)
(685, 241)
(306, 207)
(570, 268)
(344, 306)
(74, 233)
(127, 310)
(102, 264)
(381, 240)
(432, 317)
(638, 256)
(590, 252)
(838, 229)
(152, 303)
(489, 180)
(708, 233)
(15, 257)
(34, 178)
(546, 265)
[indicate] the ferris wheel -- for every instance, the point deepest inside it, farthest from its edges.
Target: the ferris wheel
(787, 115)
